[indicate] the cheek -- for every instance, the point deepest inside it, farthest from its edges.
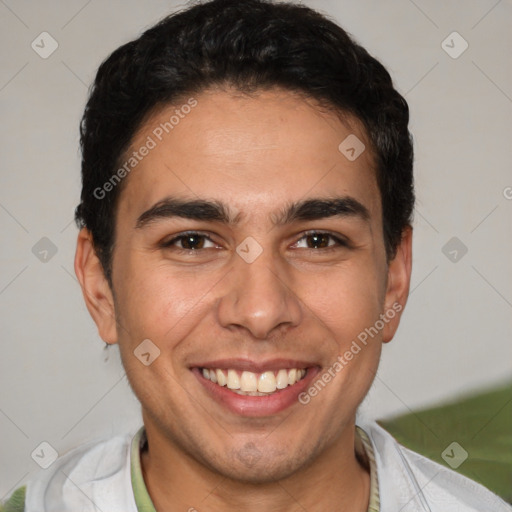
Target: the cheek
(347, 300)
(153, 300)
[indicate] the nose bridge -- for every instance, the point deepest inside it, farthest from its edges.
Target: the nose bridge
(258, 297)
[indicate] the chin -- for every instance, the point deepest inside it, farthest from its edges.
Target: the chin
(248, 465)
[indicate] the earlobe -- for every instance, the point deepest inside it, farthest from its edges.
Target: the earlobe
(95, 287)
(399, 278)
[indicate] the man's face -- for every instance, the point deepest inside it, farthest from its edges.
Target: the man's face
(268, 292)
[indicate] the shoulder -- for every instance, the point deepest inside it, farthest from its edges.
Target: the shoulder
(93, 476)
(410, 481)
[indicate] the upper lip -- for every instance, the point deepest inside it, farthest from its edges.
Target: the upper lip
(254, 366)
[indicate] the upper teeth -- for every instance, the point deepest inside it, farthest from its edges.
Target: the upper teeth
(254, 383)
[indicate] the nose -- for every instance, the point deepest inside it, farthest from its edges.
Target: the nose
(259, 298)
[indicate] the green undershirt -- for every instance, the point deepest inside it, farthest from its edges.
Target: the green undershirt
(144, 503)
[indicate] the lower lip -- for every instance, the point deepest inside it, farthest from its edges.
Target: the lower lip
(257, 406)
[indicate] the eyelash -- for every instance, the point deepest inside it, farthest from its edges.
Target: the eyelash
(169, 244)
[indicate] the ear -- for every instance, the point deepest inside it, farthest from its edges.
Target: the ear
(399, 279)
(95, 287)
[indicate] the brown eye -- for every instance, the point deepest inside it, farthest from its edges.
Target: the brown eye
(192, 241)
(189, 242)
(320, 240)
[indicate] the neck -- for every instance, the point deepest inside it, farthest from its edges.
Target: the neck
(337, 479)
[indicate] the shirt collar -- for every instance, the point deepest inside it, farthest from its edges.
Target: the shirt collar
(364, 449)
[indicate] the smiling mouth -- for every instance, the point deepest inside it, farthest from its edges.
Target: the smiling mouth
(254, 384)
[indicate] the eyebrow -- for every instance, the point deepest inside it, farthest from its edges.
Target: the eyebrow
(216, 211)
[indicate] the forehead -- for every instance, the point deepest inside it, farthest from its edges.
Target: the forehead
(254, 153)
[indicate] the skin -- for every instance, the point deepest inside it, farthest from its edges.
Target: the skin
(295, 300)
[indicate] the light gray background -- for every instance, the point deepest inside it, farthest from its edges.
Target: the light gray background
(58, 384)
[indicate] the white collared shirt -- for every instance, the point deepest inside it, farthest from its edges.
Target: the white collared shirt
(106, 475)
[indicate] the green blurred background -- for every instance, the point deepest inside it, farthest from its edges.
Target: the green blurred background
(481, 424)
